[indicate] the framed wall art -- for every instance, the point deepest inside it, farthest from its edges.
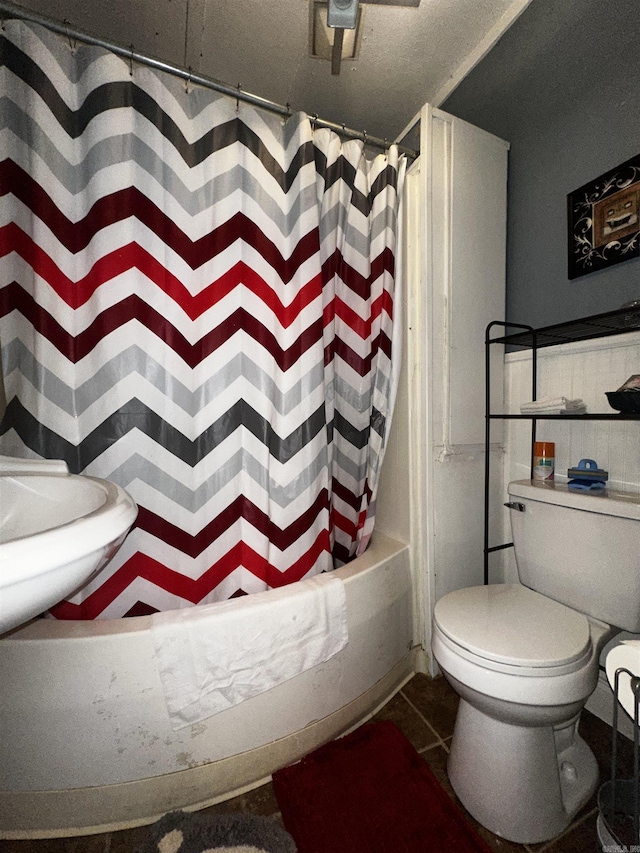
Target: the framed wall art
(603, 220)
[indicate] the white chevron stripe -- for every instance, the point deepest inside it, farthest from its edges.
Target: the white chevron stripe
(193, 487)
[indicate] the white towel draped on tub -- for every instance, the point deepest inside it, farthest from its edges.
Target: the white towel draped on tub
(214, 656)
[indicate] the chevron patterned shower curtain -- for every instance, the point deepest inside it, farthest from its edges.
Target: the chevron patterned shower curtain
(196, 303)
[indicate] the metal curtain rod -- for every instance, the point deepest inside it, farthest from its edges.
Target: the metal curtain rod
(10, 10)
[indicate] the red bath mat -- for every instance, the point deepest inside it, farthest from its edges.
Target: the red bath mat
(370, 792)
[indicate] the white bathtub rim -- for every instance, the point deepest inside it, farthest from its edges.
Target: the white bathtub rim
(382, 547)
(70, 807)
(98, 694)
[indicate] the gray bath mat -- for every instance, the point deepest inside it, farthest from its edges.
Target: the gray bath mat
(181, 832)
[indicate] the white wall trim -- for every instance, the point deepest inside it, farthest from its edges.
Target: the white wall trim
(423, 385)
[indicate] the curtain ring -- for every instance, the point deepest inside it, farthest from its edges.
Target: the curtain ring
(65, 24)
(314, 119)
(187, 81)
(131, 60)
(364, 136)
(238, 98)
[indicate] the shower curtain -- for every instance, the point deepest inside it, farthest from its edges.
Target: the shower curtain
(196, 302)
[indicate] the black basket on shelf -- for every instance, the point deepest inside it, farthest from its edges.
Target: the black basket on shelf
(624, 401)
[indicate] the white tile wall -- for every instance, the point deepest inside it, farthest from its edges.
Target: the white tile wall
(586, 369)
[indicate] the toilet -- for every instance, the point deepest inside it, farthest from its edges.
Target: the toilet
(524, 658)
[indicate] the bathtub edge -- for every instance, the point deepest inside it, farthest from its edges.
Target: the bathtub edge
(58, 812)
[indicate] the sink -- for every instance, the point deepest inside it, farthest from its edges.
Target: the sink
(57, 530)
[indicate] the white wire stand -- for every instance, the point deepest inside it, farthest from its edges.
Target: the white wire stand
(619, 799)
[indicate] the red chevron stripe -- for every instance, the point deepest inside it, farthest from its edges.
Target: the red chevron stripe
(243, 508)
(362, 366)
(133, 256)
(357, 324)
(347, 525)
(142, 566)
(345, 494)
(130, 202)
(14, 298)
(335, 265)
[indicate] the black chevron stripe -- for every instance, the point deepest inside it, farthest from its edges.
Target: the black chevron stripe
(113, 96)
(135, 415)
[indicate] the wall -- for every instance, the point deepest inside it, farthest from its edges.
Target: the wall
(563, 86)
(584, 369)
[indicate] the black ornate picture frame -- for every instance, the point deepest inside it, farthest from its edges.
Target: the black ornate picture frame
(603, 220)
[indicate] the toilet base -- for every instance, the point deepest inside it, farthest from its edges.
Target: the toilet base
(523, 783)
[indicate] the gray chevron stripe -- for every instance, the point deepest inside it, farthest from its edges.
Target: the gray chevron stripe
(354, 465)
(333, 220)
(135, 360)
(75, 402)
(74, 64)
(128, 149)
(118, 93)
(138, 468)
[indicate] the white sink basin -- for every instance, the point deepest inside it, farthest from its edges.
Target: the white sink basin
(57, 530)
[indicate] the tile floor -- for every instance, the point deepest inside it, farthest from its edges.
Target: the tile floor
(425, 711)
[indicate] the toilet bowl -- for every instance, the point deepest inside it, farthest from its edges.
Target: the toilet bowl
(524, 661)
(523, 666)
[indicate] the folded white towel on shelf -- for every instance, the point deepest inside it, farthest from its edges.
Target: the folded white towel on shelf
(214, 656)
(553, 406)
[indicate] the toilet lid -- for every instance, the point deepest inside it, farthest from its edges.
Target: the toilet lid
(513, 625)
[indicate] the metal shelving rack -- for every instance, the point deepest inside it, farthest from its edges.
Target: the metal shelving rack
(598, 326)
(619, 799)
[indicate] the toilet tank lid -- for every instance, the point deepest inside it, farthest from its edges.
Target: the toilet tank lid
(605, 502)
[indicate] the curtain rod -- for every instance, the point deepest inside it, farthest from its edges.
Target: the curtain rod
(10, 10)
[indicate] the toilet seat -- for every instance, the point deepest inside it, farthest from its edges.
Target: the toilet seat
(510, 626)
(510, 643)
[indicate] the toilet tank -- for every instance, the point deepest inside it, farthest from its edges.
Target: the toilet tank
(580, 548)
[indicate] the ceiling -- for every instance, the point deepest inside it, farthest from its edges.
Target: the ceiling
(408, 56)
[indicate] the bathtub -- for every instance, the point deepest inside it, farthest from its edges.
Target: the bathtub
(87, 744)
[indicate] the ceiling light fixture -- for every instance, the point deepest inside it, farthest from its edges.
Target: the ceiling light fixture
(343, 14)
(332, 43)
(335, 27)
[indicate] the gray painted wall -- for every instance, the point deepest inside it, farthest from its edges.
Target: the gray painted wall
(563, 87)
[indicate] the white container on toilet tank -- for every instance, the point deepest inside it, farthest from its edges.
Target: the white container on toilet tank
(524, 657)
